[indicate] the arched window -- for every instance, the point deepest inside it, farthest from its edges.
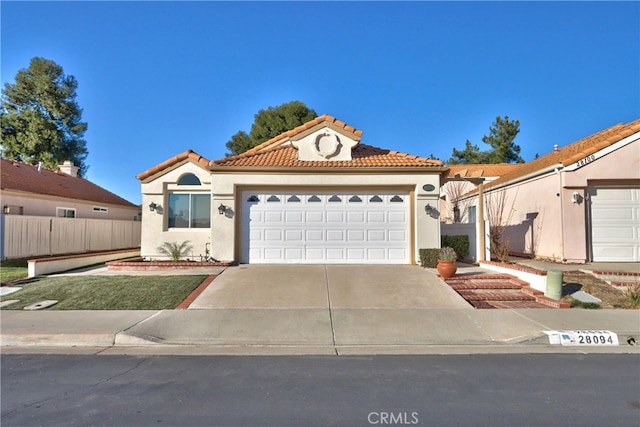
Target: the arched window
(189, 179)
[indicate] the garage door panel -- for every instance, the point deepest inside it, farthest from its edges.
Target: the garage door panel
(314, 254)
(335, 235)
(376, 216)
(397, 254)
(273, 254)
(377, 254)
(294, 254)
(325, 228)
(357, 216)
(335, 254)
(295, 236)
(335, 216)
(255, 216)
(255, 235)
(376, 235)
(397, 236)
(615, 224)
(397, 217)
(355, 235)
(293, 216)
(272, 235)
(272, 216)
(355, 254)
(314, 236)
(314, 216)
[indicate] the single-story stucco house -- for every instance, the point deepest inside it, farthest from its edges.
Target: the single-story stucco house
(314, 194)
(579, 203)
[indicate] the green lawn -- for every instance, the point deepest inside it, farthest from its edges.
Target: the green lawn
(13, 269)
(106, 292)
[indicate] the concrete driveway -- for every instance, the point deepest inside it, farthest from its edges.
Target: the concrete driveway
(328, 287)
(316, 309)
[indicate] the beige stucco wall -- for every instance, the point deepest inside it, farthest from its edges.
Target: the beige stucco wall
(154, 224)
(43, 205)
(534, 215)
(225, 234)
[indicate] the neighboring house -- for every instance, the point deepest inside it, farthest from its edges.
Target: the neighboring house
(314, 194)
(459, 182)
(32, 190)
(579, 203)
(47, 212)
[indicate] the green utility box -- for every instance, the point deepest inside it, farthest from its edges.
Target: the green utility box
(554, 284)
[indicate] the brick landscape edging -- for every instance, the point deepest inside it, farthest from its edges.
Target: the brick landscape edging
(196, 292)
(138, 264)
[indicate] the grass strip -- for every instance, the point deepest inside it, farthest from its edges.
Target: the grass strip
(13, 269)
(106, 292)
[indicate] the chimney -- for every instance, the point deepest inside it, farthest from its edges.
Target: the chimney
(555, 147)
(68, 168)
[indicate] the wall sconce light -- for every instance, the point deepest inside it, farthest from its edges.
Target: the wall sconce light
(222, 209)
(428, 209)
(152, 206)
(576, 197)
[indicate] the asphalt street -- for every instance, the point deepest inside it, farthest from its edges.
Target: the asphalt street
(435, 390)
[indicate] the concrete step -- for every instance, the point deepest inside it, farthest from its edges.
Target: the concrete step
(495, 295)
(476, 284)
(487, 291)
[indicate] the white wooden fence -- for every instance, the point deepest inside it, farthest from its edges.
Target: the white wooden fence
(27, 236)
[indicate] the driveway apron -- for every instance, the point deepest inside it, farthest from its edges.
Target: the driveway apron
(328, 286)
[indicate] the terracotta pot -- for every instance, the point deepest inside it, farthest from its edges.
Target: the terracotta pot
(447, 269)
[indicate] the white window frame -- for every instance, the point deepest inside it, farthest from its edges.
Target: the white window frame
(190, 194)
(64, 210)
(100, 209)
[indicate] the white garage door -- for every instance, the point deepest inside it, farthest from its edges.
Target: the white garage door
(615, 224)
(325, 228)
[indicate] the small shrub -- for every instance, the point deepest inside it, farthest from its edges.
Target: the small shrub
(175, 250)
(588, 305)
(633, 295)
(447, 254)
(429, 257)
(500, 244)
(459, 243)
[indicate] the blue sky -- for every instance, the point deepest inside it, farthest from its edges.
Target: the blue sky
(157, 78)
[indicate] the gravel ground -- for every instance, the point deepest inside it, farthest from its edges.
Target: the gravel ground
(578, 281)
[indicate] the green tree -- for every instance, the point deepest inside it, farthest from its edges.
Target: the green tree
(471, 154)
(40, 119)
(503, 150)
(270, 123)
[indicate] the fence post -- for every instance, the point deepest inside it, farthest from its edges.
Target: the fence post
(2, 235)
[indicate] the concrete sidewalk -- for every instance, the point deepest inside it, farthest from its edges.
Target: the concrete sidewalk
(313, 310)
(313, 331)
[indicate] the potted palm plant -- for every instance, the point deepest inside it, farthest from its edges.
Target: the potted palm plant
(447, 262)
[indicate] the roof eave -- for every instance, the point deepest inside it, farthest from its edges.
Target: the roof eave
(325, 169)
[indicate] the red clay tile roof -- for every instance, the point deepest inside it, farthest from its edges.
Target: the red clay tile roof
(325, 119)
(364, 156)
(187, 155)
(482, 170)
(277, 152)
(23, 177)
(573, 152)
